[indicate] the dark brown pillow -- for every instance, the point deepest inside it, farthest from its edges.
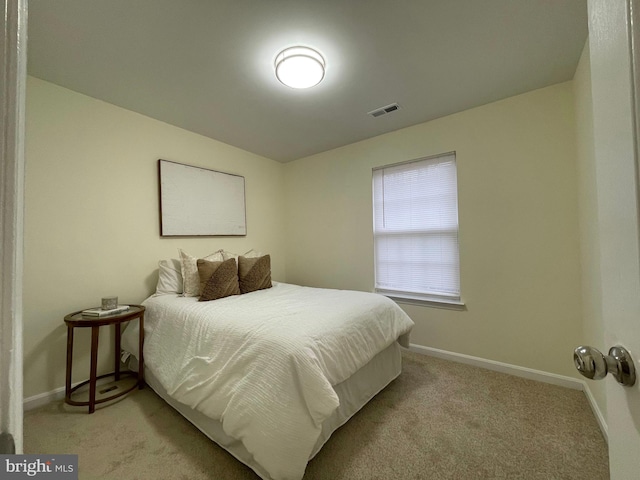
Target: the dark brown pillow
(254, 273)
(206, 269)
(217, 279)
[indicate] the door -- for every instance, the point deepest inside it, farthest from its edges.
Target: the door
(13, 46)
(618, 226)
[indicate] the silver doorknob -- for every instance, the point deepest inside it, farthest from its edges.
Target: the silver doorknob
(591, 363)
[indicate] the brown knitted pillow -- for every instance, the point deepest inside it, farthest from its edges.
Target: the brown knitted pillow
(254, 273)
(217, 279)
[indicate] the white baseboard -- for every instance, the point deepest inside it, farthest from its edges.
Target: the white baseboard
(531, 374)
(602, 423)
(43, 399)
(522, 372)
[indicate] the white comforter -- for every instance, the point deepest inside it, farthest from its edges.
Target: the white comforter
(264, 363)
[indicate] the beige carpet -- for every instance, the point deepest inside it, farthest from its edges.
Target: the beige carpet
(438, 420)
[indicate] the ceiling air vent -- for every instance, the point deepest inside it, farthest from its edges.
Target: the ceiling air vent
(384, 110)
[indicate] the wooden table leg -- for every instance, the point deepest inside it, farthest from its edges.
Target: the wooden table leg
(117, 365)
(67, 387)
(94, 368)
(140, 352)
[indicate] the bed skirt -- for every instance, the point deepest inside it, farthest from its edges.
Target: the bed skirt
(353, 393)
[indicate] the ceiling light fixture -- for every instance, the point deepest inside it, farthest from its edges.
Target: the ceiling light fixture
(299, 67)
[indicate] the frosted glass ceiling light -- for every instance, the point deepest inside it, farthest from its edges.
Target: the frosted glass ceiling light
(299, 67)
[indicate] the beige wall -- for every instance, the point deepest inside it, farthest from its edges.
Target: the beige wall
(519, 232)
(519, 235)
(91, 220)
(593, 333)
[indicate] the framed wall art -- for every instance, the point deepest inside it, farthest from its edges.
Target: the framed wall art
(196, 201)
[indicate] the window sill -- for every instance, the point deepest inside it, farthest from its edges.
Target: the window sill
(449, 304)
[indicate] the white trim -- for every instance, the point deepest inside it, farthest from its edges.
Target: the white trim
(13, 75)
(602, 423)
(436, 302)
(516, 370)
(415, 160)
(633, 7)
(43, 399)
(523, 372)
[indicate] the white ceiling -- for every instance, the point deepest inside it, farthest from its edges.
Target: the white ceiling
(207, 65)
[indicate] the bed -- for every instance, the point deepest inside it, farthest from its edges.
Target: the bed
(270, 374)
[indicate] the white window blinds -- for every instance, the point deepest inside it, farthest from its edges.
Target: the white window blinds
(415, 207)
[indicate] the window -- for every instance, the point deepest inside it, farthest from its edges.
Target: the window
(415, 228)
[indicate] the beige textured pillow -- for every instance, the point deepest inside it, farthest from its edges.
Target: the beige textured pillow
(218, 279)
(254, 273)
(190, 277)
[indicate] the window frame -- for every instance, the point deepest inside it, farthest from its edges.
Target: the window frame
(432, 299)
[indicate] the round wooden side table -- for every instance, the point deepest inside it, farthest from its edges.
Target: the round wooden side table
(78, 320)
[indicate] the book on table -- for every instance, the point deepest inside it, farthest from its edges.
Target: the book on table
(99, 312)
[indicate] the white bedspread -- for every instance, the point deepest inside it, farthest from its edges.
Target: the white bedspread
(264, 363)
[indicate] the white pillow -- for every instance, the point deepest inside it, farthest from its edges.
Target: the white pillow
(250, 254)
(227, 255)
(189, 266)
(169, 277)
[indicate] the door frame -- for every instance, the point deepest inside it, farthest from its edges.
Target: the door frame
(634, 39)
(13, 77)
